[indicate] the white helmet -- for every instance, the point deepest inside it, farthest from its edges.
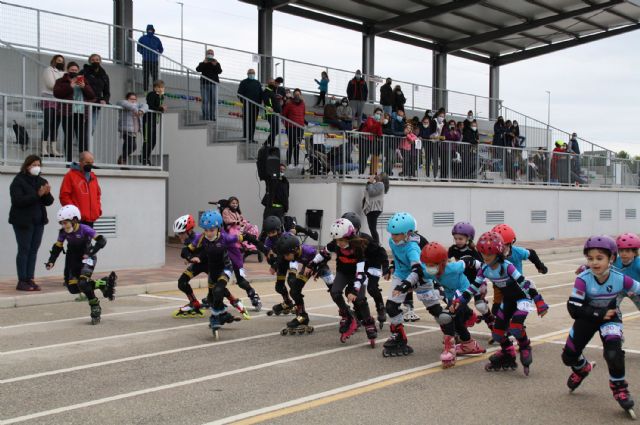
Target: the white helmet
(342, 228)
(183, 224)
(68, 212)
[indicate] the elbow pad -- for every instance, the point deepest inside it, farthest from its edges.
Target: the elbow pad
(404, 286)
(186, 253)
(100, 242)
(417, 269)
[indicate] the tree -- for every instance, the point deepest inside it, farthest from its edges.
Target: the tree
(622, 155)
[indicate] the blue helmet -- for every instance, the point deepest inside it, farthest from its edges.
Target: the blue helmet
(401, 222)
(210, 219)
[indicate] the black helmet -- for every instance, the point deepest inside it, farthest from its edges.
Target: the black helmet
(287, 244)
(353, 218)
(272, 223)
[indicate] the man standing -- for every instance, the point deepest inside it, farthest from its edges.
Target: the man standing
(250, 94)
(358, 93)
(80, 188)
(276, 197)
(210, 69)
(273, 108)
(386, 97)
(574, 149)
(149, 55)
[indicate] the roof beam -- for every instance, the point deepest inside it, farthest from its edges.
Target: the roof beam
(616, 13)
(431, 46)
(555, 10)
(528, 54)
(515, 29)
(420, 15)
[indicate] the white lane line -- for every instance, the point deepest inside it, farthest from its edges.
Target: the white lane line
(345, 388)
(186, 382)
(106, 338)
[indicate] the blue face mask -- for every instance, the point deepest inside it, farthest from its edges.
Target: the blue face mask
(252, 76)
(399, 118)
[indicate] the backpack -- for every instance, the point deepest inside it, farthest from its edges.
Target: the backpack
(22, 137)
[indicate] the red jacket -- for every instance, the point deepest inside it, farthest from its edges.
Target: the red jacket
(85, 195)
(295, 112)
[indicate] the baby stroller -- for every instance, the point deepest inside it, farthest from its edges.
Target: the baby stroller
(244, 227)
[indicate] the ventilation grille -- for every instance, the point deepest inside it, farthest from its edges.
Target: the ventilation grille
(630, 214)
(539, 216)
(106, 226)
(606, 215)
(574, 215)
(443, 218)
(494, 217)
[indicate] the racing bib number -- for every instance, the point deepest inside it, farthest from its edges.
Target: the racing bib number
(526, 305)
(611, 329)
(429, 295)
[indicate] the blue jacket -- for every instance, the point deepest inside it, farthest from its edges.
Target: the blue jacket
(152, 42)
(323, 85)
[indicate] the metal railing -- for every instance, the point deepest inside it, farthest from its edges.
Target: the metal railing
(358, 155)
(58, 130)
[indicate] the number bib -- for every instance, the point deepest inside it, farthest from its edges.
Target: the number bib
(526, 305)
(88, 262)
(428, 295)
(611, 329)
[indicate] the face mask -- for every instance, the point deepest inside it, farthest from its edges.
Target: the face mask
(358, 76)
(149, 32)
(95, 65)
(67, 227)
(210, 57)
(515, 125)
(251, 76)
(429, 114)
(377, 117)
(87, 167)
(470, 117)
(425, 123)
(385, 121)
(402, 242)
(34, 171)
(433, 270)
(73, 74)
(451, 127)
(399, 118)
(440, 119)
(474, 128)
(60, 66)
(344, 103)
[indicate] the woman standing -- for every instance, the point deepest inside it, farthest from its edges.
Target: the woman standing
(373, 202)
(30, 194)
(51, 113)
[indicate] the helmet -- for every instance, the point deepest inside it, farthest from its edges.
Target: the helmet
(401, 222)
(434, 253)
(354, 219)
(342, 228)
(628, 241)
(210, 219)
(271, 223)
(68, 212)
(507, 233)
(464, 228)
(287, 244)
(490, 243)
(601, 242)
(184, 224)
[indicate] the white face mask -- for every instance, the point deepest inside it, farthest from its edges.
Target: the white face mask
(440, 119)
(474, 128)
(385, 121)
(470, 117)
(433, 270)
(67, 227)
(34, 171)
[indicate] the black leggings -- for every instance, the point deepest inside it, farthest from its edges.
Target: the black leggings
(373, 288)
(461, 317)
(294, 134)
(73, 124)
(78, 276)
(372, 221)
(129, 145)
(217, 291)
(337, 290)
(50, 125)
(244, 283)
(296, 286)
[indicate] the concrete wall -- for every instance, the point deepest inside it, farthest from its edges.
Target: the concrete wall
(137, 199)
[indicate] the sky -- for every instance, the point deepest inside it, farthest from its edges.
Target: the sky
(594, 88)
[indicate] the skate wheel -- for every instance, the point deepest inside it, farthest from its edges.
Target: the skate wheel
(301, 331)
(235, 319)
(95, 321)
(526, 370)
(343, 339)
(385, 353)
(284, 332)
(216, 335)
(488, 368)
(270, 313)
(372, 343)
(632, 414)
(310, 330)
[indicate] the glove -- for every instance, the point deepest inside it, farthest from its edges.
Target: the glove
(403, 287)
(361, 280)
(543, 269)
(541, 306)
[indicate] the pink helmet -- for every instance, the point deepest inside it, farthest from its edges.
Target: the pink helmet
(628, 241)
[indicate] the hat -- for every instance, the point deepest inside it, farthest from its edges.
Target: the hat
(559, 143)
(150, 28)
(280, 80)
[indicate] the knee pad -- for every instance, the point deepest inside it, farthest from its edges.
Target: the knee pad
(614, 357)
(72, 286)
(393, 309)
(570, 357)
(183, 284)
(482, 307)
(218, 293)
(444, 318)
(517, 330)
(83, 284)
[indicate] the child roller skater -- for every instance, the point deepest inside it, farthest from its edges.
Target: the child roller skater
(452, 278)
(514, 308)
(290, 249)
(82, 246)
(594, 306)
(351, 278)
(285, 271)
(463, 248)
(627, 261)
(184, 229)
(409, 314)
(376, 265)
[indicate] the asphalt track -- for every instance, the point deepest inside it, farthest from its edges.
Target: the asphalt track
(142, 366)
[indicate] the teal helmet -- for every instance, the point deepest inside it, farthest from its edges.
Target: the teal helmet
(401, 223)
(210, 219)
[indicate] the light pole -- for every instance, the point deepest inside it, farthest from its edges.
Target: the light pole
(181, 32)
(548, 116)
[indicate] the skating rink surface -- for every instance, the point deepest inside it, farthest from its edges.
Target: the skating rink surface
(142, 366)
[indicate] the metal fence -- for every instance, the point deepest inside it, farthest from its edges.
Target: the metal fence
(58, 130)
(358, 155)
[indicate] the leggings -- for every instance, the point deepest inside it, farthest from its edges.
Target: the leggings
(218, 291)
(373, 288)
(78, 278)
(337, 290)
(372, 221)
(510, 319)
(243, 283)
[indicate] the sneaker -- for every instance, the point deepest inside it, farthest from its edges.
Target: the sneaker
(34, 285)
(24, 286)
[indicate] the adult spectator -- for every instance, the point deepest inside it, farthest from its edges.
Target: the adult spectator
(470, 133)
(499, 130)
(30, 195)
(373, 202)
(273, 108)
(276, 197)
(574, 149)
(250, 94)
(96, 76)
(469, 150)
(520, 140)
(80, 187)
(130, 124)
(423, 134)
(452, 136)
(155, 103)
(345, 114)
(281, 91)
(436, 130)
(51, 112)
(358, 93)
(72, 86)
(370, 145)
(210, 69)
(558, 154)
(398, 99)
(294, 111)
(386, 97)
(396, 124)
(469, 118)
(149, 46)
(574, 146)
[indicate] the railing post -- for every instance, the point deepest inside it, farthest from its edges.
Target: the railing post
(161, 142)
(89, 128)
(4, 131)
(110, 57)
(187, 120)
(38, 29)
(24, 82)
(475, 105)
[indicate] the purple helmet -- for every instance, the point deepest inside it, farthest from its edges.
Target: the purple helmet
(601, 242)
(464, 228)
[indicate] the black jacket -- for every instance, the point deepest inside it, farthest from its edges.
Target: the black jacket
(270, 99)
(209, 70)
(154, 102)
(470, 136)
(27, 208)
(99, 82)
(386, 95)
(277, 193)
(398, 100)
(251, 89)
(357, 89)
